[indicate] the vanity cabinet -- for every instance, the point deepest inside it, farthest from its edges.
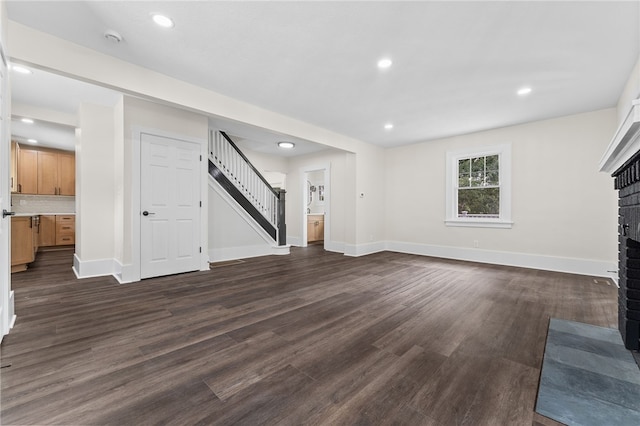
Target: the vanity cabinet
(315, 227)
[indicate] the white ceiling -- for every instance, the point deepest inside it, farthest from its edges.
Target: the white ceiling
(36, 95)
(456, 65)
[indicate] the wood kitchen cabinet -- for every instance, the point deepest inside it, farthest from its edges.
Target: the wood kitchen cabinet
(57, 230)
(66, 173)
(47, 235)
(13, 167)
(44, 171)
(65, 230)
(56, 173)
(27, 170)
(315, 227)
(23, 234)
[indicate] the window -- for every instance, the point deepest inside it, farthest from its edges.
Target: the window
(479, 187)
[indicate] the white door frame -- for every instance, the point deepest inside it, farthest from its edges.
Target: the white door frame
(326, 168)
(7, 315)
(134, 272)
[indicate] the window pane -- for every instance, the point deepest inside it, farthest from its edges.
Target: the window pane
(493, 178)
(479, 201)
(463, 181)
(493, 163)
(477, 179)
(463, 166)
(477, 164)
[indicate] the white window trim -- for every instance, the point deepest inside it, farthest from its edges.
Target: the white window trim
(504, 221)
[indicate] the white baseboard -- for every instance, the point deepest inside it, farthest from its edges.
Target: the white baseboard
(334, 246)
(588, 267)
(243, 252)
(294, 241)
(92, 268)
(356, 250)
(99, 268)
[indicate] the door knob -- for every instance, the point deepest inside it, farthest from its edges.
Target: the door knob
(146, 213)
(5, 213)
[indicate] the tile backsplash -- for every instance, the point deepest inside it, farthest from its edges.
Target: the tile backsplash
(21, 203)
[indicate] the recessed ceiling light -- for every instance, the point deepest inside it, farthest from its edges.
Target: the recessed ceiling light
(524, 91)
(286, 145)
(163, 21)
(385, 63)
(27, 120)
(388, 126)
(32, 140)
(21, 69)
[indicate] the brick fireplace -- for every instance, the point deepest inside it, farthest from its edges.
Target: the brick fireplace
(622, 160)
(627, 182)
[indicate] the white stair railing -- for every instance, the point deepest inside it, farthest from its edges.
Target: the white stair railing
(226, 156)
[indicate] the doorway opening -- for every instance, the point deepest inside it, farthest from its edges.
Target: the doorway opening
(316, 203)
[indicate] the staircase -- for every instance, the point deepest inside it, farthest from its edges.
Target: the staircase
(241, 180)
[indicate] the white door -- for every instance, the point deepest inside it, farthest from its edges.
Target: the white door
(6, 302)
(169, 206)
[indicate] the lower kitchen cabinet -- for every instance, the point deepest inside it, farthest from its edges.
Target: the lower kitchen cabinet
(23, 236)
(28, 233)
(47, 236)
(65, 230)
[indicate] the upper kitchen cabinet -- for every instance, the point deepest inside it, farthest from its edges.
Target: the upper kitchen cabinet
(56, 173)
(66, 173)
(13, 167)
(27, 172)
(45, 171)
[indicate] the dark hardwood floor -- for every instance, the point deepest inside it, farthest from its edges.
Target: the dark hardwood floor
(310, 338)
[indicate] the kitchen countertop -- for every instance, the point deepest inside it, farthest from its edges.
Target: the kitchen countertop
(22, 214)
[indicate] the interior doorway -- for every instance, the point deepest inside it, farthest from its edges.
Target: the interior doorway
(316, 203)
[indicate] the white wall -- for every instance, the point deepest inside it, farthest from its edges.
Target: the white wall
(162, 119)
(564, 210)
(630, 92)
(95, 190)
(119, 182)
(271, 167)
(364, 217)
(232, 232)
(363, 225)
(341, 190)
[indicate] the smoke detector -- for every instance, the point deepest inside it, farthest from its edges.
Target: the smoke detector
(113, 36)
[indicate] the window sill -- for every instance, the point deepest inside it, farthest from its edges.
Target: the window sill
(479, 223)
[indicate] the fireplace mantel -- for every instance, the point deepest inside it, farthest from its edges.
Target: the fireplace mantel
(625, 143)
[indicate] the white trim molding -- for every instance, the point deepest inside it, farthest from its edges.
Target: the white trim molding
(595, 268)
(244, 252)
(625, 142)
(356, 250)
(92, 268)
(451, 201)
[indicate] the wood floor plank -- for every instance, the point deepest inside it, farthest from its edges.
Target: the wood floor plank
(312, 338)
